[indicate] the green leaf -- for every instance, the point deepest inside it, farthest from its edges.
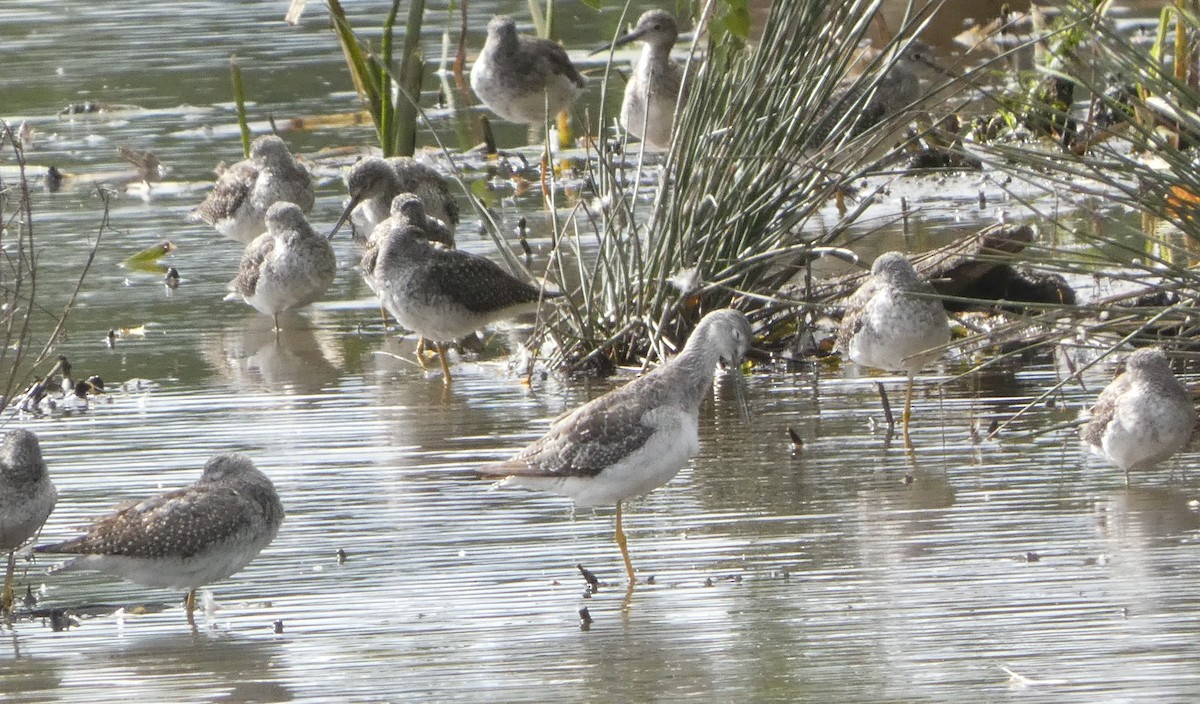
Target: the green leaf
(147, 259)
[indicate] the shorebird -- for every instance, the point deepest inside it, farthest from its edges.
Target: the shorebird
(289, 266)
(187, 538)
(523, 79)
(636, 438)
(238, 203)
(1143, 416)
(373, 183)
(899, 88)
(406, 209)
(445, 294)
(648, 110)
(27, 497)
(894, 323)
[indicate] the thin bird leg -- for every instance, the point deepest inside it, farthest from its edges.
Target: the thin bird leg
(887, 406)
(383, 315)
(624, 545)
(190, 602)
(564, 129)
(908, 411)
(6, 597)
(441, 350)
(421, 351)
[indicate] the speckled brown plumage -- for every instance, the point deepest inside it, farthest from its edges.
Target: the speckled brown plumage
(289, 266)
(444, 294)
(373, 184)
(893, 321)
(188, 537)
(635, 438)
(653, 419)
(27, 496)
(238, 203)
(1143, 416)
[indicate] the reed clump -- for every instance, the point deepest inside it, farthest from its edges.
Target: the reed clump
(390, 91)
(758, 152)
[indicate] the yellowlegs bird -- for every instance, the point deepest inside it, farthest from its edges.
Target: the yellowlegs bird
(445, 294)
(27, 497)
(237, 206)
(895, 91)
(894, 322)
(187, 538)
(407, 209)
(1143, 416)
(373, 184)
(648, 110)
(523, 79)
(289, 266)
(636, 438)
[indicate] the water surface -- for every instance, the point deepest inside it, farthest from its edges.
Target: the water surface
(850, 571)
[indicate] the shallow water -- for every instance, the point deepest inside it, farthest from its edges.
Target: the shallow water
(850, 571)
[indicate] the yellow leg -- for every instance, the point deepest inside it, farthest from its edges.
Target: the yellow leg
(421, 352)
(6, 597)
(908, 412)
(564, 130)
(441, 349)
(383, 316)
(624, 545)
(191, 607)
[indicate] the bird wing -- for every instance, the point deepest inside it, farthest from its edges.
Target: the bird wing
(1103, 411)
(479, 284)
(554, 57)
(585, 442)
(257, 252)
(231, 188)
(856, 309)
(184, 522)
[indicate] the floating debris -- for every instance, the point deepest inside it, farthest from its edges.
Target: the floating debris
(278, 624)
(53, 179)
(797, 441)
(585, 619)
(341, 556)
(147, 259)
(171, 280)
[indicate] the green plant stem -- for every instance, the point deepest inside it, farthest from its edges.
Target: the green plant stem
(239, 97)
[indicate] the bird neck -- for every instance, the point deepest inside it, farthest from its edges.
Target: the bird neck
(507, 43)
(694, 367)
(656, 54)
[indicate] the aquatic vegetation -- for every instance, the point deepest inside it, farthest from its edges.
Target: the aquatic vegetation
(750, 166)
(1129, 137)
(30, 325)
(390, 93)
